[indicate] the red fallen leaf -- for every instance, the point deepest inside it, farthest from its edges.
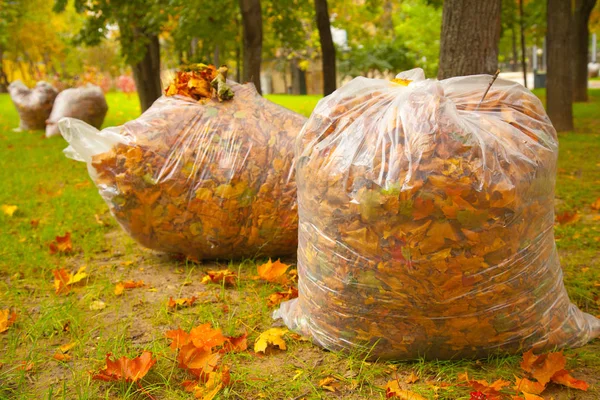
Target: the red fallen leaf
(567, 217)
(544, 366)
(223, 276)
(276, 298)
(186, 302)
(7, 318)
(126, 369)
(273, 272)
(526, 386)
(62, 244)
(477, 396)
(563, 377)
(235, 344)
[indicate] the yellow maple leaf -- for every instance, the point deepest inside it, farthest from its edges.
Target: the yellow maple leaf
(6, 319)
(393, 390)
(8, 209)
(78, 276)
(273, 336)
(273, 272)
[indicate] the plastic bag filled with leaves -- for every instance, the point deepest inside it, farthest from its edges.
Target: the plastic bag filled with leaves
(33, 105)
(205, 172)
(426, 222)
(85, 103)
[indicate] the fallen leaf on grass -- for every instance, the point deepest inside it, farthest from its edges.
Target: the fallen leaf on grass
(34, 223)
(62, 244)
(235, 344)
(528, 396)
(394, 391)
(8, 209)
(121, 286)
(25, 366)
(7, 318)
(64, 280)
(274, 272)
(412, 378)
(527, 386)
(126, 369)
(329, 383)
(273, 336)
(564, 378)
(61, 353)
(62, 356)
(567, 217)
(224, 276)
(97, 305)
(596, 204)
(277, 297)
(544, 366)
(186, 302)
(490, 390)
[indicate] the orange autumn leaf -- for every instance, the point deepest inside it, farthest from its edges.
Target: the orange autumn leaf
(121, 286)
(185, 302)
(224, 277)
(567, 217)
(204, 336)
(329, 383)
(7, 318)
(235, 344)
(527, 386)
(394, 391)
(273, 272)
(197, 360)
(129, 370)
(64, 280)
(490, 390)
(544, 366)
(277, 297)
(62, 244)
(61, 356)
(179, 338)
(564, 378)
(596, 204)
(528, 396)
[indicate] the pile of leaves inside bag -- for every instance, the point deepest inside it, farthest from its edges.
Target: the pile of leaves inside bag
(204, 172)
(426, 222)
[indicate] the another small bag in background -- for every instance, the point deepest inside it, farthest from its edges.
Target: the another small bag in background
(33, 105)
(85, 103)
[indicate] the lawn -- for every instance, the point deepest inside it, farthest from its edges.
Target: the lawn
(54, 195)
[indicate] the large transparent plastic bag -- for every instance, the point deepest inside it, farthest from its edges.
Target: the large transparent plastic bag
(426, 222)
(84, 103)
(33, 105)
(205, 179)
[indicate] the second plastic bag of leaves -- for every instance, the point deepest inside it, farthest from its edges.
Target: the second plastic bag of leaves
(199, 173)
(426, 222)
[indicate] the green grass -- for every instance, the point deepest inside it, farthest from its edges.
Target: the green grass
(49, 188)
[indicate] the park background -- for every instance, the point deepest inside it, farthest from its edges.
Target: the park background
(131, 49)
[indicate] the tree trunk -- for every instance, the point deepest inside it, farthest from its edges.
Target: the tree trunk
(146, 74)
(581, 40)
(515, 52)
(327, 47)
(559, 90)
(217, 56)
(193, 50)
(253, 37)
(3, 77)
(523, 47)
(298, 78)
(470, 36)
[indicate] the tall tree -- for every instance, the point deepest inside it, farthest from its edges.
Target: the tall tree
(469, 39)
(327, 47)
(140, 22)
(581, 40)
(253, 38)
(523, 47)
(559, 89)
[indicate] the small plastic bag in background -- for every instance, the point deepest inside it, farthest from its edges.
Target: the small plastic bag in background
(199, 173)
(426, 222)
(33, 105)
(86, 103)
